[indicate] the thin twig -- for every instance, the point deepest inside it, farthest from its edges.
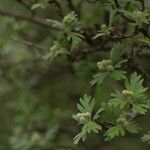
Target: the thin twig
(34, 19)
(38, 20)
(30, 44)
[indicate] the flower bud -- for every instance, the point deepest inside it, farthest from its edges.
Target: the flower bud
(105, 29)
(121, 120)
(70, 20)
(128, 94)
(82, 118)
(105, 65)
(110, 68)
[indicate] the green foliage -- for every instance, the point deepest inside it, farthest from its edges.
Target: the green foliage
(68, 32)
(110, 66)
(138, 16)
(133, 95)
(135, 85)
(132, 127)
(119, 130)
(118, 100)
(55, 50)
(85, 118)
(145, 41)
(41, 4)
(129, 103)
(114, 131)
(86, 104)
(105, 31)
(116, 53)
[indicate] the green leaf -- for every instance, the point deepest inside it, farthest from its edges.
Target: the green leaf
(132, 127)
(117, 103)
(114, 131)
(118, 74)
(87, 129)
(52, 54)
(55, 24)
(135, 85)
(75, 39)
(118, 100)
(116, 52)
(112, 16)
(38, 5)
(145, 41)
(99, 78)
(87, 104)
(91, 127)
(96, 116)
(140, 108)
(118, 65)
(78, 137)
(110, 113)
(99, 35)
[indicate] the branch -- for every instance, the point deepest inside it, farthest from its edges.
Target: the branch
(37, 20)
(30, 44)
(143, 71)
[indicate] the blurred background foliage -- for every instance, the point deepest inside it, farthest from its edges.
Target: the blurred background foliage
(37, 98)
